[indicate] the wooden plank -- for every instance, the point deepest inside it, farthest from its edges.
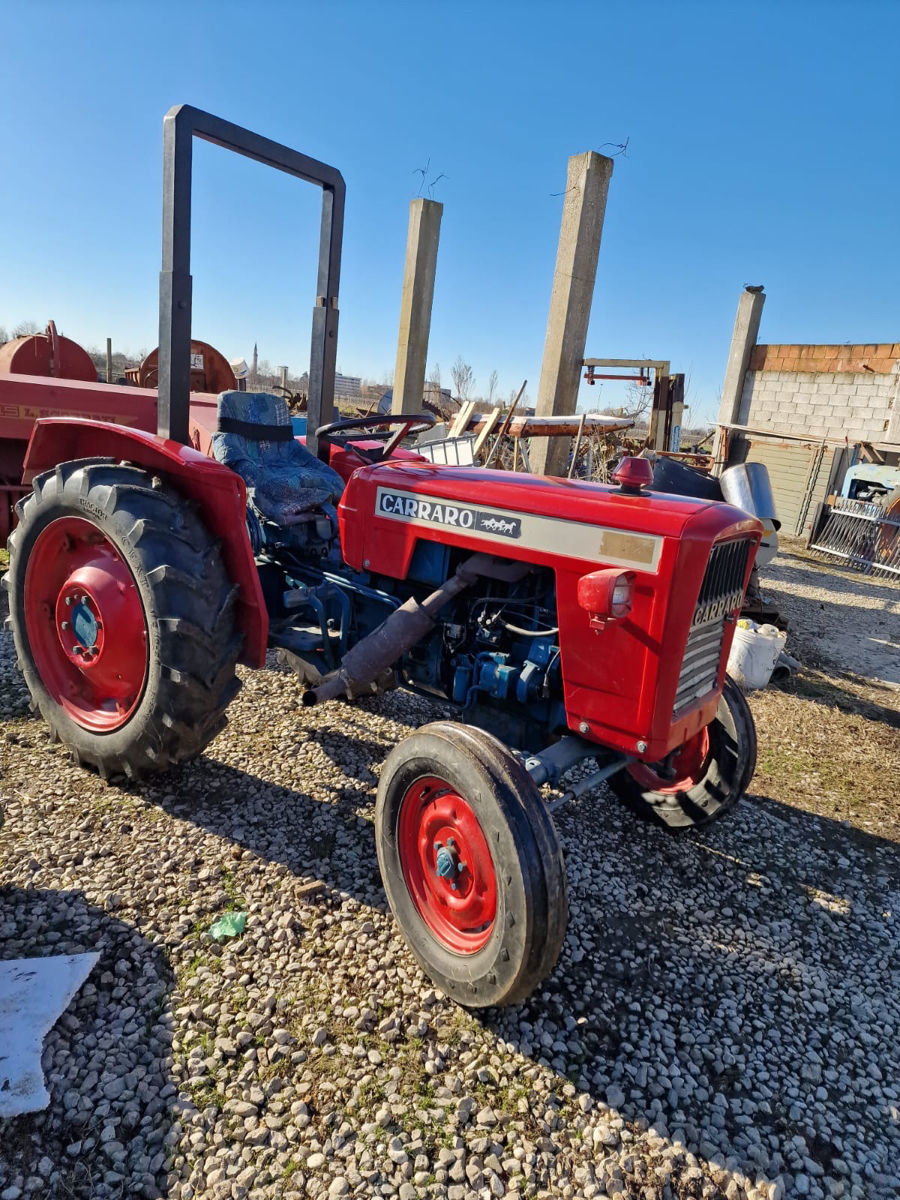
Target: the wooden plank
(486, 430)
(461, 420)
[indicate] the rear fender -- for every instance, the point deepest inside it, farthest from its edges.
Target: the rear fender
(219, 494)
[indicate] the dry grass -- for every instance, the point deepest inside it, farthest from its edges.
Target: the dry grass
(833, 755)
(829, 739)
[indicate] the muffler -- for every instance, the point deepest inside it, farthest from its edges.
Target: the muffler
(363, 663)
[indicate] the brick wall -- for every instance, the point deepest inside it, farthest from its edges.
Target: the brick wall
(824, 391)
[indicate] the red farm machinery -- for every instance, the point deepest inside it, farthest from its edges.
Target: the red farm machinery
(566, 622)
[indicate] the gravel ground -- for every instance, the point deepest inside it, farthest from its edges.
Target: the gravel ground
(841, 620)
(723, 1022)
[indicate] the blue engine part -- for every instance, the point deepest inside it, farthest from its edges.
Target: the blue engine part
(524, 675)
(494, 655)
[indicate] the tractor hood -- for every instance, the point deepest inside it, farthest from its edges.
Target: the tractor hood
(387, 508)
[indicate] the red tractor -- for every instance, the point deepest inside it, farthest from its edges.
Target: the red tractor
(566, 622)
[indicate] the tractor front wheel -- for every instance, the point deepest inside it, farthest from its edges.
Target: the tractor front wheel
(471, 864)
(123, 617)
(701, 780)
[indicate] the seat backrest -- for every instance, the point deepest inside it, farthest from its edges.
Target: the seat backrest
(258, 417)
(256, 439)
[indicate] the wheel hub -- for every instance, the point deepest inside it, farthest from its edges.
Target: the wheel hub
(447, 865)
(447, 862)
(86, 624)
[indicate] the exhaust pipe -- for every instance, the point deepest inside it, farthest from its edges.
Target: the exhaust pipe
(408, 624)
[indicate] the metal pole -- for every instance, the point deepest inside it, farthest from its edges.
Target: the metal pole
(175, 284)
(506, 424)
(577, 444)
(109, 360)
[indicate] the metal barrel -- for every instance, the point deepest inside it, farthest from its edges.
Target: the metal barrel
(747, 486)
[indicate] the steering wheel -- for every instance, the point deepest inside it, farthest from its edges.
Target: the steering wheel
(407, 423)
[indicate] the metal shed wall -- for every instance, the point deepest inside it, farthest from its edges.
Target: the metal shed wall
(799, 473)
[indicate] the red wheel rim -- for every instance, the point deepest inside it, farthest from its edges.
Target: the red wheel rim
(447, 865)
(85, 624)
(689, 763)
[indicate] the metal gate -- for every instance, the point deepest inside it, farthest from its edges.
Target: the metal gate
(863, 535)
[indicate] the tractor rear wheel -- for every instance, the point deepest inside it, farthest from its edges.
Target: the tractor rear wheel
(471, 864)
(701, 780)
(123, 617)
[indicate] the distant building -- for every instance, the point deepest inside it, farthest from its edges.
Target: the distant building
(346, 387)
(438, 399)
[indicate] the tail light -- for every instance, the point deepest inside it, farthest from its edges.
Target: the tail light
(606, 596)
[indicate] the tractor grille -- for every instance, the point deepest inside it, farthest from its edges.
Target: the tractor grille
(722, 589)
(721, 593)
(700, 667)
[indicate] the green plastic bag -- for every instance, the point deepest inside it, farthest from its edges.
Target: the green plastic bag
(230, 924)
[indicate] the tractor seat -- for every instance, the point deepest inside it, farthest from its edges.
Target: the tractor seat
(285, 483)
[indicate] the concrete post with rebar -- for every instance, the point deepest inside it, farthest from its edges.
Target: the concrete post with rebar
(743, 339)
(584, 207)
(415, 306)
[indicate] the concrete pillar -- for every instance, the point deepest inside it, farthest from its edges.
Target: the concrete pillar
(584, 206)
(415, 305)
(743, 339)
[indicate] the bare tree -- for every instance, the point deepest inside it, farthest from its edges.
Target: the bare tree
(638, 399)
(25, 328)
(463, 378)
(4, 336)
(492, 386)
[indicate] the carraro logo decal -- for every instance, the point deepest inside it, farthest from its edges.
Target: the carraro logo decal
(453, 516)
(582, 540)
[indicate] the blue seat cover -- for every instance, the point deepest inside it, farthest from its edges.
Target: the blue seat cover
(255, 438)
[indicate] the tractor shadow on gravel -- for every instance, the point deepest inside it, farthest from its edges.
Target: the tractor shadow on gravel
(104, 1061)
(329, 838)
(738, 979)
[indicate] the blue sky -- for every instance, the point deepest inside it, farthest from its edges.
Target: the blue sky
(762, 148)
